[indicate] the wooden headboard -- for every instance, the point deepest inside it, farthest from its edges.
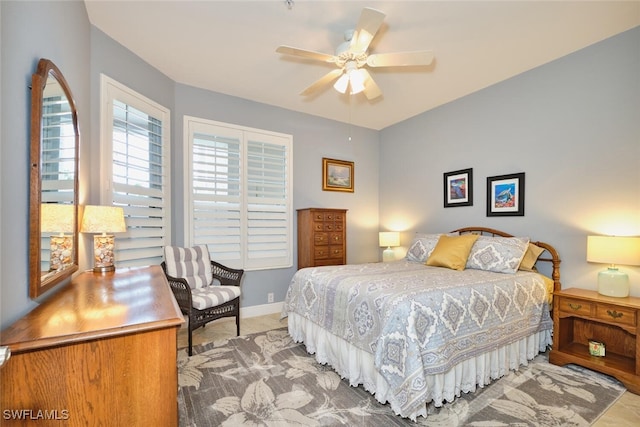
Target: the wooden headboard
(549, 255)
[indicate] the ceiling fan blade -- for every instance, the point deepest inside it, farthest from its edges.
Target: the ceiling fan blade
(371, 89)
(324, 80)
(303, 53)
(400, 59)
(368, 25)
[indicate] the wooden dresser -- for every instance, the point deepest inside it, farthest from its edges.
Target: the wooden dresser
(322, 237)
(101, 351)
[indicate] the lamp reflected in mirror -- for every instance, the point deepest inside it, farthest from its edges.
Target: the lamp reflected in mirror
(59, 219)
(103, 220)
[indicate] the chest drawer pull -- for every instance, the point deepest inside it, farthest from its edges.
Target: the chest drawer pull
(575, 306)
(614, 314)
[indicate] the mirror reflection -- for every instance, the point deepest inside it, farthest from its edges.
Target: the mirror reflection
(54, 180)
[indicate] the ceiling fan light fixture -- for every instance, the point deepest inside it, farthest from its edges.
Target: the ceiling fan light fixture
(341, 84)
(356, 81)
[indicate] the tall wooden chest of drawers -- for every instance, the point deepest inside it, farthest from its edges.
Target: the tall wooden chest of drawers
(322, 237)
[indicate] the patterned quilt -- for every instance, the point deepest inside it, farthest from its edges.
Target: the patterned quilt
(418, 320)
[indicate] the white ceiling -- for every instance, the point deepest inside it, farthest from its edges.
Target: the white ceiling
(229, 46)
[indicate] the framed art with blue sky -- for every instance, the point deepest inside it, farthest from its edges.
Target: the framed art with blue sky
(505, 195)
(458, 188)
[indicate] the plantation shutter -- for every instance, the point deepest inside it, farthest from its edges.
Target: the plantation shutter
(268, 225)
(139, 177)
(239, 190)
(216, 195)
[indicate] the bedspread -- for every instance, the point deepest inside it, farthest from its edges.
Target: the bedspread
(418, 320)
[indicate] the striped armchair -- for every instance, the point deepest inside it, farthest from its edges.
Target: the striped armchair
(205, 290)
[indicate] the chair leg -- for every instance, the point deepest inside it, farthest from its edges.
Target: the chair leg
(237, 324)
(190, 340)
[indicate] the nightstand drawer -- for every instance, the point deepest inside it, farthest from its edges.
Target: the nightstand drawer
(575, 306)
(621, 315)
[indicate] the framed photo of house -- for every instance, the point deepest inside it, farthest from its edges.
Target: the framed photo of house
(337, 175)
(505, 195)
(458, 188)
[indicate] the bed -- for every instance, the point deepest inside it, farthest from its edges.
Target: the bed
(437, 323)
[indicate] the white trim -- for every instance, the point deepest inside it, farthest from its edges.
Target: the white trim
(261, 310)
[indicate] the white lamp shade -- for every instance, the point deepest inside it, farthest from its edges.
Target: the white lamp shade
(342, 83)
(56, 218)
(613, 250)
(389, 238)
(103, 219)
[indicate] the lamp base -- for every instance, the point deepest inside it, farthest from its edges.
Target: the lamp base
(388, 255)
(61, 249)
(103, 246)
(613, 283)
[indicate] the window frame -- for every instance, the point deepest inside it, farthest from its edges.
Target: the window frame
(194, 125)
(111, 90)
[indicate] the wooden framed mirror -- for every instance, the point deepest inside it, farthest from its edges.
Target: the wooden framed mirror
(53, 203)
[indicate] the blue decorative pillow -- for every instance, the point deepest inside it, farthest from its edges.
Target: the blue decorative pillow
(499, 254)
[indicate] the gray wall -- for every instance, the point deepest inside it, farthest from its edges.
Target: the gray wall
(573, 126)
(313, 138)
(27, 36)
(83, 52)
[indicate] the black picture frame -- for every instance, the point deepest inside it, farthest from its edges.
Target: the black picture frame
(505, 195)
(458, 188)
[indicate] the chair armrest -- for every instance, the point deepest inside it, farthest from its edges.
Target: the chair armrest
(180, 288)
(226, 275)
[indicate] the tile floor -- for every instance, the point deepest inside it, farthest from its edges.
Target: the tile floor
(624, 413)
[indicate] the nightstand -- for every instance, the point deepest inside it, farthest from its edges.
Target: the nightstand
(580, 315)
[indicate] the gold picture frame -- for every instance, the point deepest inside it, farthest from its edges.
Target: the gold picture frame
(337, 175)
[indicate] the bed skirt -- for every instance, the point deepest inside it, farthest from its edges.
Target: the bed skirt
(357, 366)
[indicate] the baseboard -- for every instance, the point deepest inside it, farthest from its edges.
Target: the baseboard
(261, 310)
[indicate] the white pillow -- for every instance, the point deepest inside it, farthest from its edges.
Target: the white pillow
(422, 246)
(191, 264)
(499, 254)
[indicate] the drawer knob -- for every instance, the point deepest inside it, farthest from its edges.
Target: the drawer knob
(614, 314)
(575, 306)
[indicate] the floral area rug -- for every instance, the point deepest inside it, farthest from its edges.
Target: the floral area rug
(266, 379)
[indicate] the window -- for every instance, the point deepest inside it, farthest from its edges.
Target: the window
(135, 171)
(238, 194)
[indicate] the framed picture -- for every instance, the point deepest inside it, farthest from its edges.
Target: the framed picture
(458, 188)
(337, 175)
(505, 195)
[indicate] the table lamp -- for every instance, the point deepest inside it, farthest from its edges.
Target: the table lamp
(613, 250)
(103, 219)
(58, 218)
(388, 239)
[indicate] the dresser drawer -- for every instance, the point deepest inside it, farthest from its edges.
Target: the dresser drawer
(575, 306)
(320, 239)
(321, 252)
(621, 315)
(336, 252)
(336, 238)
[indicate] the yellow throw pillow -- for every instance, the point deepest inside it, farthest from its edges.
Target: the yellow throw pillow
(530, 257)
(452, 251)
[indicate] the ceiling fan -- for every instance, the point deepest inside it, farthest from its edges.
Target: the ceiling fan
(352, 56)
